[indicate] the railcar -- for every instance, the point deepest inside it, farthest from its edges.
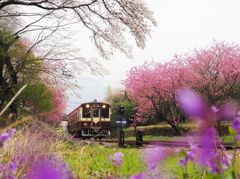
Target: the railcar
(90, 119)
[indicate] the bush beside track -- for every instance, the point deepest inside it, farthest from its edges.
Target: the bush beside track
(164, 130)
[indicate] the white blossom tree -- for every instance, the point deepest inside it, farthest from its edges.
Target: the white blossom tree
(105, 20)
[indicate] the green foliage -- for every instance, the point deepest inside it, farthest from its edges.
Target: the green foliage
(18, 66)
(118, 98)
(231, 131)
(183, 153)
(38, 98)
(6, 39)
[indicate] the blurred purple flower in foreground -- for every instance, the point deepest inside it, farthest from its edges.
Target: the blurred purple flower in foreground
(154, 155)
(191, 103)
(208, 155)
(49, 168)
(116, 159)
(207, 141)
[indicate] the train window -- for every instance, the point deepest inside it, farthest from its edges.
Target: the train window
(95, 112)
(105, 113)
(86, 113)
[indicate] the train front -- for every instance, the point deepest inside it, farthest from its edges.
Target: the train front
(95, 119)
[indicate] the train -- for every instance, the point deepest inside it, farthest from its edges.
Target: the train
(90, 119)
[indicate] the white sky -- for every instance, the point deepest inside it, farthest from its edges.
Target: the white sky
(183, 25)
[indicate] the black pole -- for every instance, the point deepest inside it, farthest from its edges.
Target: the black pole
(121, 142)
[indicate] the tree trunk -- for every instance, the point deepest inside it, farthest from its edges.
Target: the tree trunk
(176, 129)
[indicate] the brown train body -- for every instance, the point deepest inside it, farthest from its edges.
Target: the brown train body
(90, 120)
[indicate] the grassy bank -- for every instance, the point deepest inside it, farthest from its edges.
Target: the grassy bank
(226, 138)
(93, 161)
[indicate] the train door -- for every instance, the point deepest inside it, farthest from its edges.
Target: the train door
(96, 117)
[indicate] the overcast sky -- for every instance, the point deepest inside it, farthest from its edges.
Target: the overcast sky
(183, 25)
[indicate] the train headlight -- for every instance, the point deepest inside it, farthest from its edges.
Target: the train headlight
(104, 106)
(87, 106)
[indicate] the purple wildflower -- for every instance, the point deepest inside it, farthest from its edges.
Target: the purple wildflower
(236, 124)
(191, 103)
(193, 151)
(214, 167)
(237, 137)
(138, 176)
(183, 162)
(214, 109)
(236, 127)
(117, 159)
(21, 159)
(4, 136)
(8, 170)
(12, 167)
(8, 176)
(226, 159)
(190, 155)
(12, 131)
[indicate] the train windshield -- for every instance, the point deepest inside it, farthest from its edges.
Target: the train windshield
(105, 113)
(95, 112)
(86, 113)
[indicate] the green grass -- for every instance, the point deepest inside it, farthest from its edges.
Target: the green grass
(93, 160)
(151, 137)
(227, 138)
(162, 125)
(176, 138)
(171, 168)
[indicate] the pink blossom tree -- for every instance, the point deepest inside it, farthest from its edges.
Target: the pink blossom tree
(153, 88)
(59, 105)
(214, 72)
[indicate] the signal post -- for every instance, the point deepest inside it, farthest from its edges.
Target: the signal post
(121, 122)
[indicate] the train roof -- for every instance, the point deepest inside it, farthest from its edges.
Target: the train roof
(91, 103)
